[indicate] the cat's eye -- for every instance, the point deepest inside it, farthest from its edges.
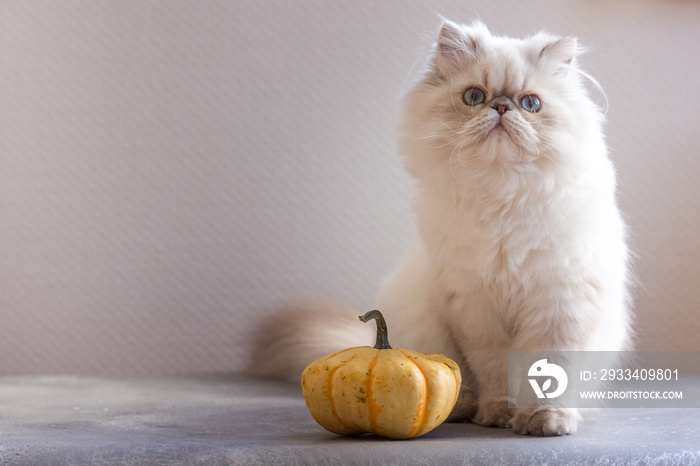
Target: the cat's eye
(531, 103)
(474, 96)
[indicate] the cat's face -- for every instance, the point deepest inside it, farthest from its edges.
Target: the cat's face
(490, 99)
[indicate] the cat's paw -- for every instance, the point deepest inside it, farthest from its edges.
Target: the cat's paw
(494, 413)
(545, 422)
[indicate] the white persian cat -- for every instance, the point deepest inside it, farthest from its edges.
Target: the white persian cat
(521, 245)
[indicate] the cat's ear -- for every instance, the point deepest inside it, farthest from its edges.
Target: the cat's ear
(561, 53)
(451, 39)
(456, 43)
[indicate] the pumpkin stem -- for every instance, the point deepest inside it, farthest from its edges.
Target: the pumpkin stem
(382, 338)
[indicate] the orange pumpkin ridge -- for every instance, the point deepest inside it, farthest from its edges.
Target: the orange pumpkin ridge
(426, 393)
(331, 373)
(372, 409)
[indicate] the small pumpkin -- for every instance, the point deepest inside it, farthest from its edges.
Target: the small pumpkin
(395, 393)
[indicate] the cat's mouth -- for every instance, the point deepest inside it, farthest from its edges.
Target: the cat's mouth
(506, 128)
(500, 127)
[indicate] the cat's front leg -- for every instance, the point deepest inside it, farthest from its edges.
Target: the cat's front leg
(490, 368)
(491, 372)
(566, 333)
(493, 412)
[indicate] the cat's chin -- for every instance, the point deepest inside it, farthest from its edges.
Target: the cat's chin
(500, 131)
(505, 130)
(510, 138)
(505, 140)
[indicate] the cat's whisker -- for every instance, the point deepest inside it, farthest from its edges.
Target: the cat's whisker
(440, 137)
(449, 127)
(419, 140)
(458, 150)
(543, 150)
(595, 84)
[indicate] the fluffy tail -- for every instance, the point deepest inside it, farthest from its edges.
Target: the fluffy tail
(294, 337)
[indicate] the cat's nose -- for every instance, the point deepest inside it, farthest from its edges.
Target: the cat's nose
(502, 105)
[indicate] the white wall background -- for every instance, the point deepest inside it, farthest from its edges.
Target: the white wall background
(170, 171)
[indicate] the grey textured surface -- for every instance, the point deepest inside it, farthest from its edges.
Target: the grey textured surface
(238, 420)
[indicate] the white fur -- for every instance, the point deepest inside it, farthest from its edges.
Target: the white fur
(521, 245)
